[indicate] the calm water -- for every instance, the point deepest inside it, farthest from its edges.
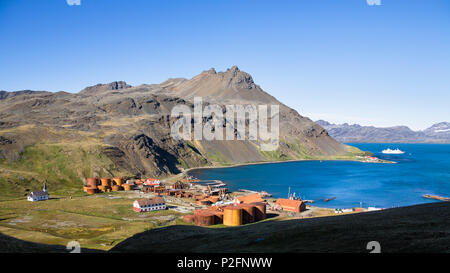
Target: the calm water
(423, 169)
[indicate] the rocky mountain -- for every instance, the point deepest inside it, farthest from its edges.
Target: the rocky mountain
(119, 129)
(439, 130)
(438, 133)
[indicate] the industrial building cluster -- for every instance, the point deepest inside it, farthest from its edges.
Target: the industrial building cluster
(244, 210)
(217, 206)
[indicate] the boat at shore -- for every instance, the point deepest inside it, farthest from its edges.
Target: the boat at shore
(389, 151)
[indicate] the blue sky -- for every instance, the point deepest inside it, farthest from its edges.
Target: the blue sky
(339, 60)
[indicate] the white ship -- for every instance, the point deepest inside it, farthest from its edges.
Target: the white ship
(396, 151)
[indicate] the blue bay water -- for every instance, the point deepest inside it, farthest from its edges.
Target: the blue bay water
(422, 169)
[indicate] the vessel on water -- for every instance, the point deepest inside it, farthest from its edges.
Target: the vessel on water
(389, 151)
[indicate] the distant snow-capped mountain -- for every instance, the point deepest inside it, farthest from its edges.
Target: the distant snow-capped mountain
(438, 128)
(438, 133)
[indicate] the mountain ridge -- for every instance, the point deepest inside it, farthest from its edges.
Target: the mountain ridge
(437, 133)
(116, 129)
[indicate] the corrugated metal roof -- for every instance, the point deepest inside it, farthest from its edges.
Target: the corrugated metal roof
(289, 203)
(150, 201)
(252, 198)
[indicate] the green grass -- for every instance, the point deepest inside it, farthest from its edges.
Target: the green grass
(218, 158)
(61, 166)
(296, 151)
(95, 221)
(276, 155)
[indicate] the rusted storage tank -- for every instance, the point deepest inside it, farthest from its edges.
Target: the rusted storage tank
(204, 218)
(105, 181)
(260, 210)
(219, 217)
(118, 181)
(115, 188)
(232, 216)
(91, 190)
(127, 187)
(104, 188)
(200, 211)
(189, 218)
(248, 213)
(91, 181)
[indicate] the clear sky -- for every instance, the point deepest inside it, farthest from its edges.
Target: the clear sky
(338, 60)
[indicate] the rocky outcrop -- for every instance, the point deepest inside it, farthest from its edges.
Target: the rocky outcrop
(105, 87)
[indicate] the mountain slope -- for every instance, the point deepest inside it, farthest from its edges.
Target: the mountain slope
(438, 133)
(117, 129)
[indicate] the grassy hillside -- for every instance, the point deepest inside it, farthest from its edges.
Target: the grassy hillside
(63, 166)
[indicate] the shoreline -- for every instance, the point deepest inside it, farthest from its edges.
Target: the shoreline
(186, 171)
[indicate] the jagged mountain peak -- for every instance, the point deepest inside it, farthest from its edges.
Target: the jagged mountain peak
(115, 85)
(211, 71)
(231, 85)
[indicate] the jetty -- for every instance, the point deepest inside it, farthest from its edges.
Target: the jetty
(436, 197)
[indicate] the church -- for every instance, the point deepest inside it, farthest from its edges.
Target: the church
(39, 195)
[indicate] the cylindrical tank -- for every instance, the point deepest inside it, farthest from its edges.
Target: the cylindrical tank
(115, 188)
(118, 181)
(106, 181)
(232, 216)
(204, 218)
(126, 187)
(260, 211)
(200, 211)
(104, 188)
(189, 218)
(91, 181)
(248, 213)
(90, 191)
(219, 217)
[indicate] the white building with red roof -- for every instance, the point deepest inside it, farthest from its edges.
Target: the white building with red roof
(149, 204)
